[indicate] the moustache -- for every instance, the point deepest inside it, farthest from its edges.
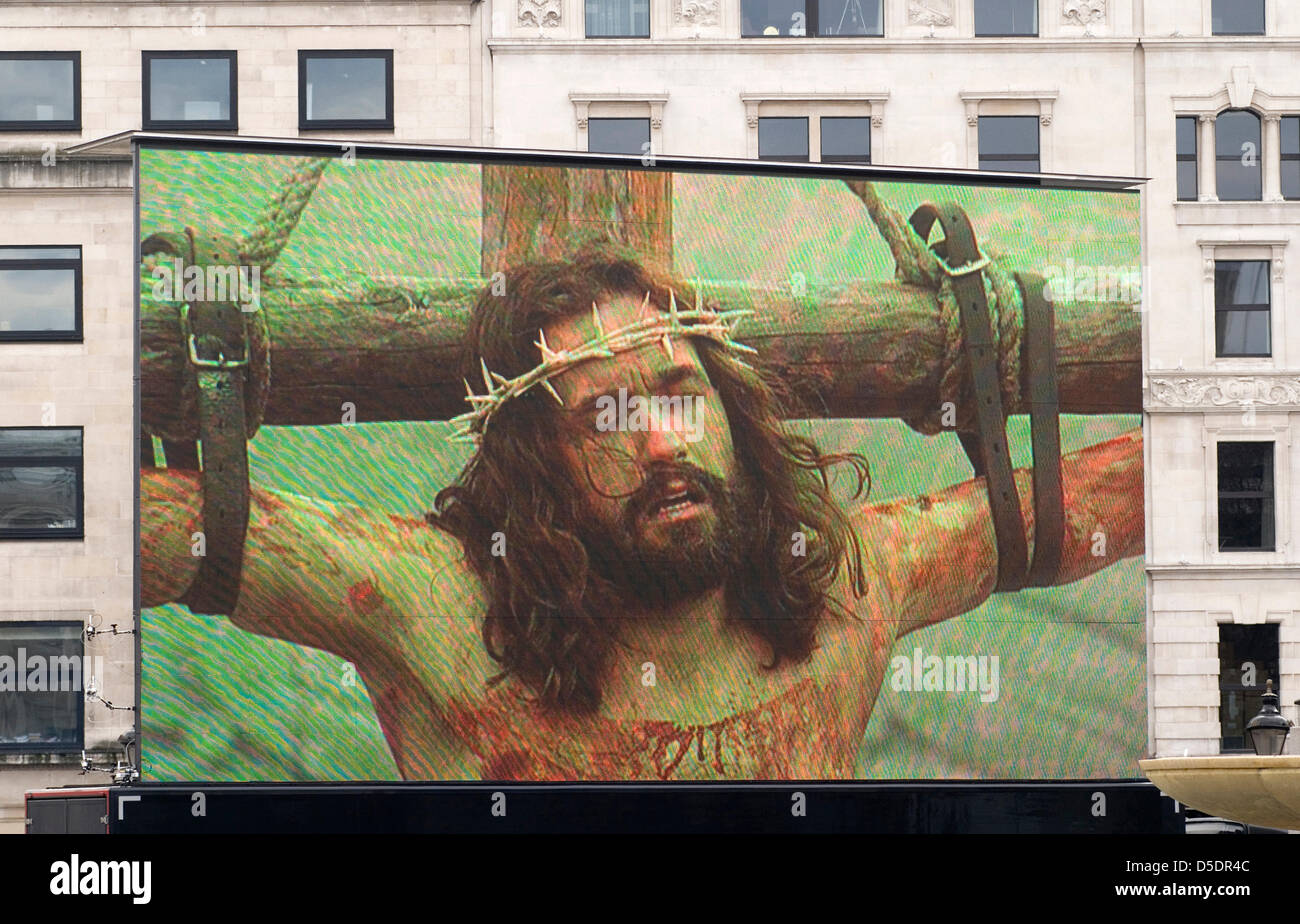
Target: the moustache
(666, 482)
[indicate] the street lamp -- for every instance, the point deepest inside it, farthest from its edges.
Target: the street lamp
(1267, 730)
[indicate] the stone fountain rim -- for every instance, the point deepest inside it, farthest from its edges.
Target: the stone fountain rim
(1221, 761)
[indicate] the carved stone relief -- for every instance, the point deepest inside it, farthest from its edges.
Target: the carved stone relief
(1084, 12)
(930, 12)
(539, 13)
(1225, 391)
(696, 12)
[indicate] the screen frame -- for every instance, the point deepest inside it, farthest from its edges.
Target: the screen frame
(140, 141)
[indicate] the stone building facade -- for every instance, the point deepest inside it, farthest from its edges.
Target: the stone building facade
(1194, 94)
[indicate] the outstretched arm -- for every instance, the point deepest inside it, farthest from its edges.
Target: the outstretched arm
(938, 553)
(314, 573)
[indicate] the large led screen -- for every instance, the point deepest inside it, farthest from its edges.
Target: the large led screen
(552, 470)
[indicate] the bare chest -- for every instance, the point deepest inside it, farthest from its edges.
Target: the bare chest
(736, 720)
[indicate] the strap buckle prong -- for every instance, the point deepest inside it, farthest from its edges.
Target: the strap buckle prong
(964, 270)
(221, 362)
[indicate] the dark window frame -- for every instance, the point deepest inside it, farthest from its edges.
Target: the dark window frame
(812, 25)
(1182, 158)
(1263, 28)
(1038, 24)
(1268, 494)
(1284, 158)
(79, 697)
(1269, 670)
(840, 158)
(49, 125)
(76, 335)
(586, 31)
(644, 119)
(384, 124)
(1036, 157)
(151, 124)
(1248, 307)
(807, 158)
(62, 533)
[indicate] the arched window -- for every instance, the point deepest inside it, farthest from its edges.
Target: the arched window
(1238, 156)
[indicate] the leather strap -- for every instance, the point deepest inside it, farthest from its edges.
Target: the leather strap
(215, 337)
(1039, 354)
(987, 446)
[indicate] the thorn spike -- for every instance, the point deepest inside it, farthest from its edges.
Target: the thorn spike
(548, 355)
(554, 394)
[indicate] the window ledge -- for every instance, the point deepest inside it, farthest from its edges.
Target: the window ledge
(1217, 570)
(39, 759)
(1237, 213)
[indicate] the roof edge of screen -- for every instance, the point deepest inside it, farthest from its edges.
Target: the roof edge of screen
(411, 151)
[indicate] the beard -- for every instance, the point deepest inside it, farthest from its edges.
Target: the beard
(650, 558)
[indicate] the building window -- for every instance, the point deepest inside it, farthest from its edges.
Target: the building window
(1237, 17)
(760, 18)
(783, 138)
(1237, 152)
(1242, 308)
(40, 293)
(1248, 659)
(345, 89)
(1006, 17)
(190, 90)
(1186, 132)
(1009, 143)
(1245, 497)
(42, 702)
(40, 91)
(40, 483)
(618, 136)
(846, 139)
(618, 18)
(1291, 157)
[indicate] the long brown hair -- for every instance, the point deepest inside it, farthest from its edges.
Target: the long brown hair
(548, 617)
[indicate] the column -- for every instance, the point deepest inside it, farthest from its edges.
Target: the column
(1271, 157)
(1205, 160)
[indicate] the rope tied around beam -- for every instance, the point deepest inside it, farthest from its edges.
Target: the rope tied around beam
(269, 236)
(916, 264)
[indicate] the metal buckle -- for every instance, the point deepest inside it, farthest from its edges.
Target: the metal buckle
(965, 270)
(220, 362)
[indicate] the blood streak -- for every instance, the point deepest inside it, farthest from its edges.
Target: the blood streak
(365, 598)
(798, 734)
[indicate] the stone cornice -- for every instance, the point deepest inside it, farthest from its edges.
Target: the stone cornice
(619, 97)
(1178, 391)
(1171, 571)
(1220, 42)
(802, 45)
(844, 96)
(977, 95)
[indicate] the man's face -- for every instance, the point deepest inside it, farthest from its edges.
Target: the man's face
(648, 446)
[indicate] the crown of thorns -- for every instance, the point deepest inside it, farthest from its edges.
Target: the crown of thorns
(718, 326)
